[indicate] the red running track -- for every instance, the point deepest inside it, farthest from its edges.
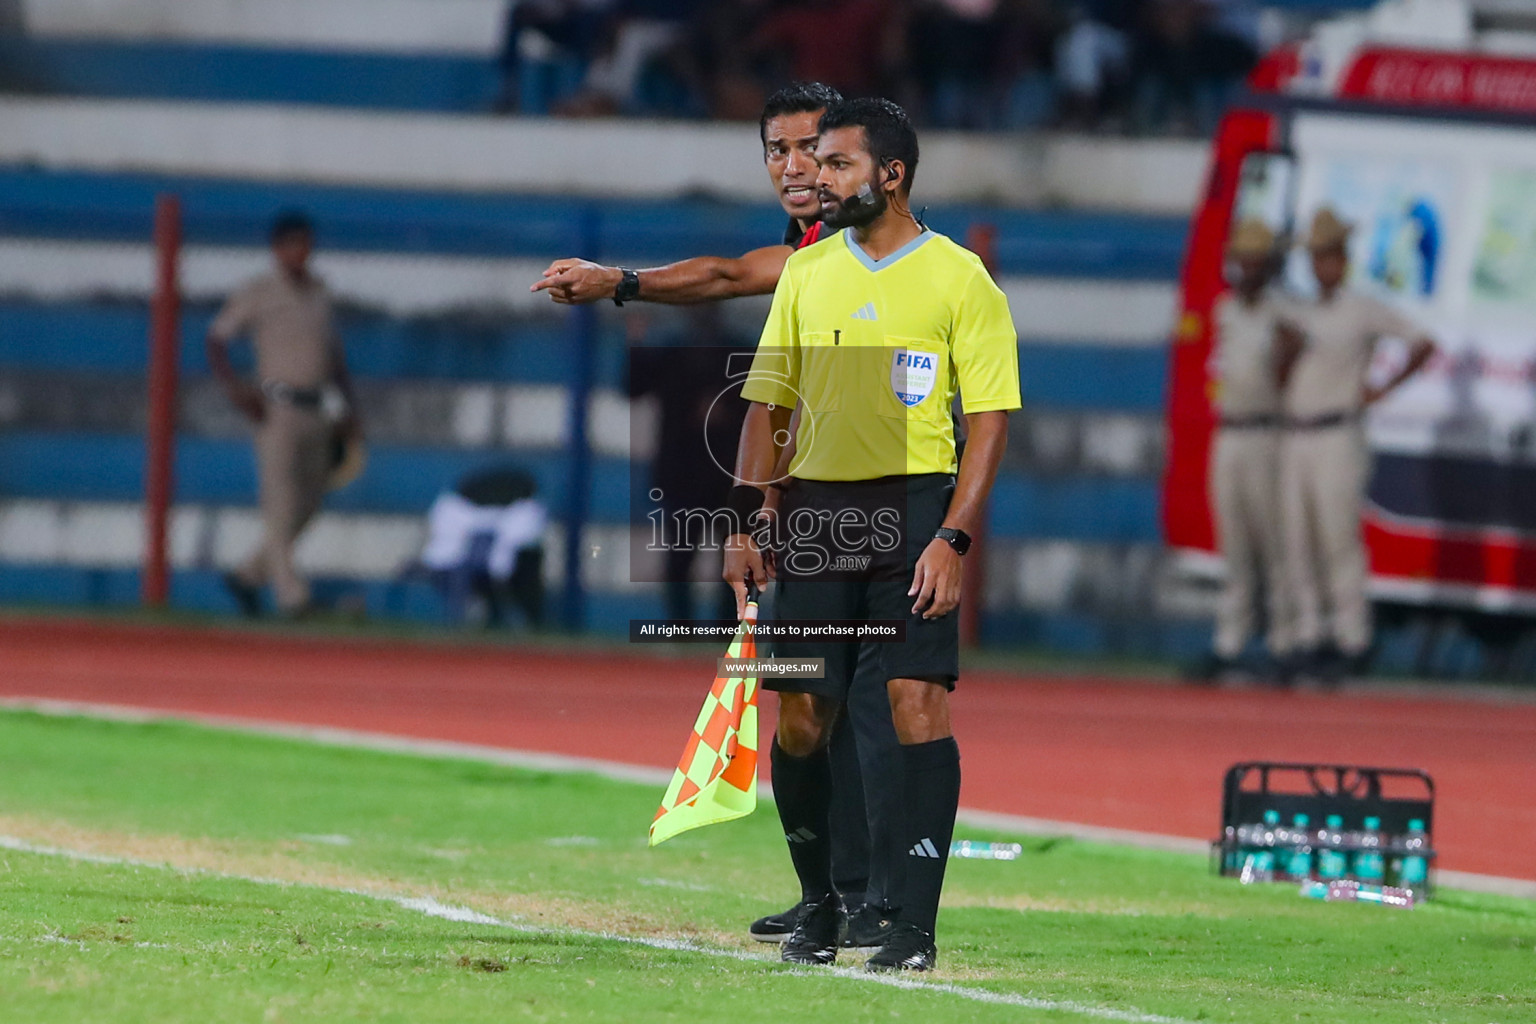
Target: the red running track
(1123, 754)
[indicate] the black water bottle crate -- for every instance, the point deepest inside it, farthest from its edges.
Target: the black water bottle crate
(1353, 792)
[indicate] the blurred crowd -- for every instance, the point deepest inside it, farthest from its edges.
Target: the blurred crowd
(1126, 65)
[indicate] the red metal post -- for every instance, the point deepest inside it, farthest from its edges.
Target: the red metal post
(160, 433)
(982, 240)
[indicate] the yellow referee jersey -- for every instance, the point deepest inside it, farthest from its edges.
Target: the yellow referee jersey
(874, 351)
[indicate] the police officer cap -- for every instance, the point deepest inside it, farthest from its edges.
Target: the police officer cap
(1251, 237)
(1328, 231)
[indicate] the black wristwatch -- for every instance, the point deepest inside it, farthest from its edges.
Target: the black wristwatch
(957, 539)
(627, 288)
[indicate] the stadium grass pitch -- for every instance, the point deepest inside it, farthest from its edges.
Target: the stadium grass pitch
(167, 872)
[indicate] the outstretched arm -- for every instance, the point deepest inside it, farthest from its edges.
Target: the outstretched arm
(572, 282)
(1289, 343)
(244, 395)
(353, 423)
(1421, 353)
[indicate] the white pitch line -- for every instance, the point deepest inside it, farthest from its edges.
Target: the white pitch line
(618, 771)
(432, 907)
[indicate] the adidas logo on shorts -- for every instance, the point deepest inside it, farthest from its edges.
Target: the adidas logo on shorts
(924, 849)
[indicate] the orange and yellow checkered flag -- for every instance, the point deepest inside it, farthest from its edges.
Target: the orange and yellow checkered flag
(716, 779)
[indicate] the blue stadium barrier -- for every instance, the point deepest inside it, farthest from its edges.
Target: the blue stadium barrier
(1080, 508)
(46, 585)
(1073, 375)
(112, 338)
(243, 74)
(1077, 633)
(110, 467)
(78, 205)
(202, 591)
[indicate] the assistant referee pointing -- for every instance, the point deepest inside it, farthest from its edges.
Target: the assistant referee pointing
(872, 331)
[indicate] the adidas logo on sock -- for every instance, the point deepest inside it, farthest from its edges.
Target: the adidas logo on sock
(924, 849)
(866, 312)
(800, 835)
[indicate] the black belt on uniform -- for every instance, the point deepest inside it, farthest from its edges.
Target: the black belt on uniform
(300, 398)
(1323, 422)
(1261, 422)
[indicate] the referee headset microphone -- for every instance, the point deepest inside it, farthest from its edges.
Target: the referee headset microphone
(865, 204)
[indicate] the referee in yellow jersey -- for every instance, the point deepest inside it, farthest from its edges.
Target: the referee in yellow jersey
(871, 333)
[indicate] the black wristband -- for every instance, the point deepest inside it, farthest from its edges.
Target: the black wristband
(744, 501)
(628, 286)
(957, 539)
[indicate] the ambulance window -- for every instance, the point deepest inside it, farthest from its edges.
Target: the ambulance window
(1265, 191)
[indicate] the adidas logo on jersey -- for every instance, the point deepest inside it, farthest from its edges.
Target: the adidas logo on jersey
(924, 849)
(865, 312)
(800, 835)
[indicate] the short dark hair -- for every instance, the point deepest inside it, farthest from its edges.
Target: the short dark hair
(796, 98)
(888, 131)
(291, 222)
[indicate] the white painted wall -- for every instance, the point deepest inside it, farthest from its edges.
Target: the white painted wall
(409, 26)
(625, 158)
(1054, 309)
(1040, 575)
(363, 546)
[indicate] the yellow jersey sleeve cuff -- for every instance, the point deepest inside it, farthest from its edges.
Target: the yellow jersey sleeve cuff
(768, 393)
(991, 405)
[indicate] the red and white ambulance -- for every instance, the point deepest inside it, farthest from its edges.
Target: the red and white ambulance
(1431, 154)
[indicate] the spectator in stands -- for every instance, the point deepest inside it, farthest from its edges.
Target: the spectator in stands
(485, 547)
(545, 49)
(953, 53)
(721, 64)
(300, 404)
(1186, 65)
(968, 59)
(1026, 34)
(644, 47)
(848, 44)
(1093, 59)
(980, 64)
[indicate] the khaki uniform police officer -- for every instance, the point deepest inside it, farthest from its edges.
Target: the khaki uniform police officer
(303, 394)
(1245, 461)
(1325, 464)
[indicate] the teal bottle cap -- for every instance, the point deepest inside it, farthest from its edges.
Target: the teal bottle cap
(1335, 821)
(1416, 825)
(1300, 821)
(1271, 817)
(1373, 823)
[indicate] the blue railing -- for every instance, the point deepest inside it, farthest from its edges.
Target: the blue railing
(581, 352)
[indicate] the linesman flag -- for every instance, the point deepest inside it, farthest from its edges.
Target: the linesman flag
(716, 779)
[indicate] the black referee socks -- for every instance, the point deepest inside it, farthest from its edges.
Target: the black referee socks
(802, 787)
(932, 798)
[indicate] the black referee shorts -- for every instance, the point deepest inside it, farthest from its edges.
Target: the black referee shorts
(846, 551)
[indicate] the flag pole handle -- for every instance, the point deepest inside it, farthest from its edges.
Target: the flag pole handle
(752, 590)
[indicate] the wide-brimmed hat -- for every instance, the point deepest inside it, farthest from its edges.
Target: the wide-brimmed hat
(1328, 230)
(1251, 237)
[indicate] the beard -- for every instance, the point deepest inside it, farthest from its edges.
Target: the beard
(857, 210)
